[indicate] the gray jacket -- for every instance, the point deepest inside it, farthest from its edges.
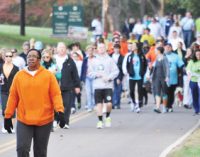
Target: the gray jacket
(103, 70)
(165, 67)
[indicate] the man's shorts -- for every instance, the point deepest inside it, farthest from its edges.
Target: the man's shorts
(103, 96)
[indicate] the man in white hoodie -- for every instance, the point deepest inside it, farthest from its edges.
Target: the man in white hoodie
(103, 70)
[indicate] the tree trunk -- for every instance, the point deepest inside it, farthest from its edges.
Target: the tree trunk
(142, 7)
(161, 10)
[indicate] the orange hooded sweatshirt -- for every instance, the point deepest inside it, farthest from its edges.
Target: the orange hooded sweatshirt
(34, 97)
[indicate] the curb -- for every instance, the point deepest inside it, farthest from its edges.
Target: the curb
(179, 141)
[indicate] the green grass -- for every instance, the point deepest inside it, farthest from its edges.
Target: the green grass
(189, 148)
(10, 38)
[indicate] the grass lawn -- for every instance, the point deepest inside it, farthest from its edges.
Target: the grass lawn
(10, 38)
(189, 148)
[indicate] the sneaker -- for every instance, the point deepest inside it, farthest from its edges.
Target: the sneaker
(99, 125)
(73, 110)
(89, 110)
(66, 126)
(13, 130)
(137, 110)
(3, 130)
(55, 124)
(164, 109)
(157, 110)
(118, 107)
(170, 110)
(108, 122)
(133, 107)
(79, 105)
(187, 106)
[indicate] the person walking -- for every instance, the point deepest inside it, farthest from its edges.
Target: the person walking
(193, 70)
(70, 81)
(35, 94)
(136, 67)
(118, 58)
(187, 95)
(104, 70)
(188, 25)
(160, 78)
(88, 80)
(176, 65)
(7, 72)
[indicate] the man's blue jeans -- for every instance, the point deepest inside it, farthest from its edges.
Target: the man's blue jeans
(195, 96)
(117, 93)
(89, 92)
(187, 37)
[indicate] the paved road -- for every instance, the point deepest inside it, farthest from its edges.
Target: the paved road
(132, 135)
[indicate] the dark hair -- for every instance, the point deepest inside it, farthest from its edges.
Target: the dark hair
(38, 51)
(194, 58)
(14, 50)
(161, 49)
(117, 46)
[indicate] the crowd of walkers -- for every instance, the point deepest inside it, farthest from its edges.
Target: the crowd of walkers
(153, 55)
(44, 83)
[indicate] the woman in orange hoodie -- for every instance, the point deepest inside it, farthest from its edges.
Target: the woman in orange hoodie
(35, 94)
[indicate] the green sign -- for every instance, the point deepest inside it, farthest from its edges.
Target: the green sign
(60, 20)
(64, 16)
(75, 15)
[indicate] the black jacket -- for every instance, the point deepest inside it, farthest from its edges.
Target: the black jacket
(143, 65)
(119, 65)
(8, 81)
(69, 76)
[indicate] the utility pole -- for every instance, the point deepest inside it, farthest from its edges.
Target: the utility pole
(104, 12)
(22, 17)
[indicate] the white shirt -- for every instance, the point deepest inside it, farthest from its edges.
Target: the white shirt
(124, 64)
(31, 72)
(178, 29)
(175, 41)
(98, 27)
(138, 29)
(115, 57)
(60, 60)
(187, 23)
(78, 66)
(156, 30)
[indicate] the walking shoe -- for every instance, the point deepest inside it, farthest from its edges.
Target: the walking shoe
(73, 110)
(118, 107)
(89, 110)
(66, 126)
(187, 106)
(108, 122)
(133, 107)
(164, 109)
(157, 110)
(137, 110)
(55, 124)
(170, 110)
(3, 130)
(13, 130)
(79, 106)
(99, 125)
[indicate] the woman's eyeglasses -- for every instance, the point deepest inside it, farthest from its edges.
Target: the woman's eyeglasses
(47, 57)
(8, 56)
